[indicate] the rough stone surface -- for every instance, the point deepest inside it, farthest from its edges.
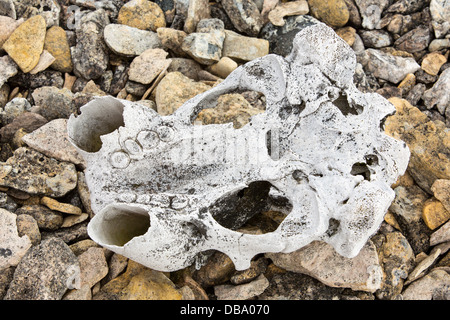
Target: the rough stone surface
(57, 44)
(370, 11)
(244, 15)
(46, 219)
(441, 191)
(27, 225)
(93, 266)
(7, 26)
(434, 214)
(54, 103)
(428, 142)
(46, 272)
(433, 286)
(282, 10)
(433, 62)
(243, 48)
(90, 55)
(389, 67)
(8, 69)
(147, 66)
(320, 260)
(439, 94)
(35, 173)
(29, 121)
(242, 291)
(312, 104)
(334, 13)
(440, 13)
(51, 139)
(129, 41)
(12, 245)
(174, 90)
(142, 14)
(196, 11)
(26, 43)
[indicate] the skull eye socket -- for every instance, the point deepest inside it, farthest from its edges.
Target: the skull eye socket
(120, 224)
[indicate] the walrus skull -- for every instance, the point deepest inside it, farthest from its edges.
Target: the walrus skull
(162, 187)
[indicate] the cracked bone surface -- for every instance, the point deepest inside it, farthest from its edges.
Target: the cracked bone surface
(164, 189)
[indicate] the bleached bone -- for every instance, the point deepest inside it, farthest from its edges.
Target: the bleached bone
(164, 190)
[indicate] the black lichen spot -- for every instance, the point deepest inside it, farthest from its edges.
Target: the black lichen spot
(5, 252)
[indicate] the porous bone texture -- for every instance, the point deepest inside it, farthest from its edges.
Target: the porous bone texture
(165, 189)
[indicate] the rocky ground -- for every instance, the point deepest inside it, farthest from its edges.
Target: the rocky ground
(58, 54)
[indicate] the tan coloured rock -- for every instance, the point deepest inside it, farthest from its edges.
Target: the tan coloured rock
(348, 34)
(45, 60)
(174, 90)
(230, 108)
(223, 68)
(59, 206)
(333, 12)
(320, 260)
(93, 266)
(243, 48)
(434, 214)
(57, 44)
(142, 14)
(197, 10)
(172, 39)
(433, 62)
(7, 26)
(287, 9)
(147, 66)
(26, 43)
(428, 142)
(441, 191)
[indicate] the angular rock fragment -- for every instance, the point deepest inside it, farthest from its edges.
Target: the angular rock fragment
(244, 15)
(35, 173)
(12, 246)
(164, 190)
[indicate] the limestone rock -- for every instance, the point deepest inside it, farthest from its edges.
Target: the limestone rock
(242, 48)
(230, 108)
(45, 60)
(142, 14)
(35, 173)
(139, 283)
(319, 260)
(26, 43)
(223, 68)
(174, 90)
(371, 12)
(440, 13)
(287, 9)
(147, 66)
(172, 39)
(389, 67)
(441, 191)
(440, 235)
(7, 26)
(334, 13)
(27, 225)
(13, 109)
(196, 11)
(46, 219)
(242, 291)
(54, 204)
(433, 286)
(428, 142)
(218, 269)
(397, 260)
(205, 48)
(439, 94)
(415, 40)
(51, 139)
(375, 38)
(29, 121)
(432, 62)
(244, 15)
(54, 103)
(434, 214)
(129, 41)
(57, 44)
(46, 272)
(93, 266)
(90, 56)
(12, 245)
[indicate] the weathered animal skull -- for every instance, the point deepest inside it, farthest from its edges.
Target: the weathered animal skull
(164, 190)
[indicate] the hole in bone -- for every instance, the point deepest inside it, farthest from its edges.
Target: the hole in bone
(346, 108)
(361, 169)
(121, 224)
(236, 107)
(93, 122)
(233, 210)
(333, 227)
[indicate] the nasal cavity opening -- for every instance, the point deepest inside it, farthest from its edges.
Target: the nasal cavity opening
(121, 224)
(97, 118)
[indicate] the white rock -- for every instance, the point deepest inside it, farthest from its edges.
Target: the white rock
(12, 247)
(440, 14)
(388, 67)
(129, 41)
(8, 69)
(160, 186)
